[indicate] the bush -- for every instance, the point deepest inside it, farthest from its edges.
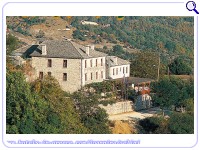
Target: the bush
(180, 67)
(154, 125)
(106, 102)
(77, 34)
(180, 123)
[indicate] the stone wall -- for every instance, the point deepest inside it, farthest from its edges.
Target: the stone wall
(119, 107)
(73, 71)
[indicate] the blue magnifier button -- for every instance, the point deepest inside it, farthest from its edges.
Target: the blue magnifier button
(191, 6)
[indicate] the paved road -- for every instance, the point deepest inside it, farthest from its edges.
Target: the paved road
(130, 116)
(135, 115)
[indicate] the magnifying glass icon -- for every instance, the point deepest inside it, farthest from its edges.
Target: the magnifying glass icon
(191, 6)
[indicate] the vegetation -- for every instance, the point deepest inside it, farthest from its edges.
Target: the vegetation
(40, 34)
(144, 32)
(62, 113)
(154, 125)
(102, 87)
(92, 116)
(146, 65)
(22, 24)
(181, 123)
(12, 44)
(172, 92)
(106, 102)
(172, 37)
(180, 66)
(41, 109)
(178, 123)
(78, 35)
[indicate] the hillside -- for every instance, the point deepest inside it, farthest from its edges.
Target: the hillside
(167, 34)
(172, 37)
(159, 48)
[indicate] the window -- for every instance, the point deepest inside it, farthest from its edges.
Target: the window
(101, 74)
(49, 63)
(64, 76)
(126, 69)
(96, 62)
(91, 63)
(113, 71)
(64, 63)
(40, 75)
(96, 75)
(85, 63)
(123, 70)
(101, 61)
(117, 71)
(86, 77)
(91, 76)
(49, 73)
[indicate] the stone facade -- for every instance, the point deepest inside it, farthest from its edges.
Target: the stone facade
(119, 107)
(73, 71)
(78, 73)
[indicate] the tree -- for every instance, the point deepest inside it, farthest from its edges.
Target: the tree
(166, 93)
(177, 123)
(92, 116)
(77, 34)
(118, 49)
(19, 104)
(62, 114)
(41, 109)
(181, 123)
(171, 46)
(12, 43)
(146, 64)
(171, 92)
(154, 125)
(180, 67)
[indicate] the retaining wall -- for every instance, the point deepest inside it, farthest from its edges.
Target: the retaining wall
(119, 107)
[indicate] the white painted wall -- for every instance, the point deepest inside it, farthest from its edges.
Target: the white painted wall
(93, 69)
(120, 73)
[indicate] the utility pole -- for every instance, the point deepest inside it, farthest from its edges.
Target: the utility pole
(168, 71)
(158, 66)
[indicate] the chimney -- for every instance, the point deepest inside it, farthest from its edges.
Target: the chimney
(115, 60)
(92, 47)
(87, 50)
(44, 50)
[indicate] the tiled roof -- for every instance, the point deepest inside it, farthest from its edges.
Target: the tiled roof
(116, 61)
(92, 53)
(65, 49)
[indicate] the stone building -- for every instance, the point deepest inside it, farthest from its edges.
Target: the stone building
(73, 65)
